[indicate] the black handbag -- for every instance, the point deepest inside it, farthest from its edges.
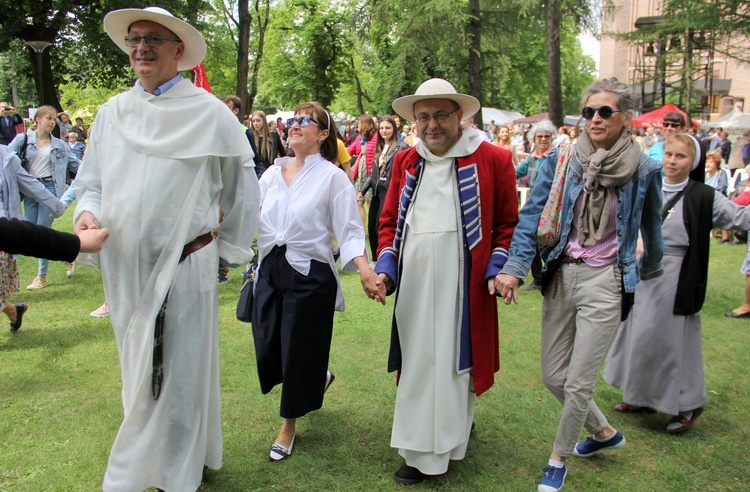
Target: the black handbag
(245, 302)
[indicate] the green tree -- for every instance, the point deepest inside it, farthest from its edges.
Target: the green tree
(304, 59)
(81, 51)
(16, 88)
(397, 46)
(236, 26)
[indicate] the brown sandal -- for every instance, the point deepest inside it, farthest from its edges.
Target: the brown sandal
(684, 422)
(626, 408)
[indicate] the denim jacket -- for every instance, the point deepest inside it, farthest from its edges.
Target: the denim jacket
(13, 179)
(638, 207)
(61, 157)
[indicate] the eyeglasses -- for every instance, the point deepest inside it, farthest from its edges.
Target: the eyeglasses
(668, 124)
(605, 112)
(302, 121)
(545, 137)
(440, 117)
(151, 40)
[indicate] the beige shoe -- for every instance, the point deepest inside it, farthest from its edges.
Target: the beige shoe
(38, 283)
(70, 269)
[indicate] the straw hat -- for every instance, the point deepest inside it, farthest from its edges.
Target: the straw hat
(117, 23)
(435, 89)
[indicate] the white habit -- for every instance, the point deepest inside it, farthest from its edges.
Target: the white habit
(434, 405)
(155, 179)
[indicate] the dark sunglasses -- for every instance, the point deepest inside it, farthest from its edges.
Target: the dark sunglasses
(667, 124)
(302, 121)
(605, 112)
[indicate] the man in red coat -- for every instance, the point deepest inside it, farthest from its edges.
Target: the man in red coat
(444, 235)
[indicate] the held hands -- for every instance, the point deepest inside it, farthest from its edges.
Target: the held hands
(87, 229)
(505, 285)
(85, 221)
(92, 240)
(372, 283)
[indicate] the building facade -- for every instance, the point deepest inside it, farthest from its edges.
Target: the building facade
(684, 68)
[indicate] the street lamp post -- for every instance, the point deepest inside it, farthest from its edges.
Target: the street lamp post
(39, 47)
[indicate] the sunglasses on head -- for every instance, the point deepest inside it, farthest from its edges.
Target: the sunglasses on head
(605, 112)
(302, 121)
(672, 124)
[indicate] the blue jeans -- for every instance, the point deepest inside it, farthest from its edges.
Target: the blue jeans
(36, 213)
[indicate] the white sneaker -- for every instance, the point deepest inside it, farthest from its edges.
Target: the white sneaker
(37, 283)
(71, 269)
(101, 312)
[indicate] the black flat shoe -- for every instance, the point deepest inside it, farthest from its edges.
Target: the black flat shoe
(279, 452)
(20, 309)
(728, 314)
(408, 475)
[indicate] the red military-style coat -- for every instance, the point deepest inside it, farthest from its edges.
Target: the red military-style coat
(489, 212)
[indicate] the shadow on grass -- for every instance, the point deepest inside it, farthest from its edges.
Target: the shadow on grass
(58, 337)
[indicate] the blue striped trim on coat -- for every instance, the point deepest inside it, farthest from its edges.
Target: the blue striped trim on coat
(468, 191)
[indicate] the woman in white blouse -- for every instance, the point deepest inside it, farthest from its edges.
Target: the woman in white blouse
(306, 202)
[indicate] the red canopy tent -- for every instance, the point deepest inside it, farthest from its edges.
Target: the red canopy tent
(656, 117)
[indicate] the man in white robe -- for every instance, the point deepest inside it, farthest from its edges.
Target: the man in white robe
(157, 185)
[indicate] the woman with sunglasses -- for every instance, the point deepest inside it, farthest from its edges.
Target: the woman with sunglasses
(306, 202)
(611, 191)
(672, 124)
(385, 150)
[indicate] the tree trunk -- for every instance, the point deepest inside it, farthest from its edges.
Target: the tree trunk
(474, 35)
(554, 72)
(360, 103)
(13, 87)
(243, 50)
(262, 25)
(46, 93)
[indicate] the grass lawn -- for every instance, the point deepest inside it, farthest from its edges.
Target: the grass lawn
(60, 403)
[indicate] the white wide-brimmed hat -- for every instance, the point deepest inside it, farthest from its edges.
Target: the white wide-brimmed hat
(435, 89)
(117, 23)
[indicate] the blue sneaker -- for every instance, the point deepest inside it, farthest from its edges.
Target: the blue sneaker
(222, 278)
(590, 445)
(553, 479)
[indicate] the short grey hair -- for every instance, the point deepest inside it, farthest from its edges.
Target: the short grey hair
(545, 126)
(625, 101)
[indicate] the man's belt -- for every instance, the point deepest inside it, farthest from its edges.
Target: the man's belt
(197, 243)
(157, 376)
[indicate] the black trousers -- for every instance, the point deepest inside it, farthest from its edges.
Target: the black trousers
(292, 330)
(373, 221)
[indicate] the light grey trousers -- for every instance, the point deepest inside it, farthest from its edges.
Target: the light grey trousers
(580, 317)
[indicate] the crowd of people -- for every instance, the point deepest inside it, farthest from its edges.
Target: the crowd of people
(623, 280)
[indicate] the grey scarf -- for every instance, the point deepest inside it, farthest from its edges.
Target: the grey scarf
(603, 169)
